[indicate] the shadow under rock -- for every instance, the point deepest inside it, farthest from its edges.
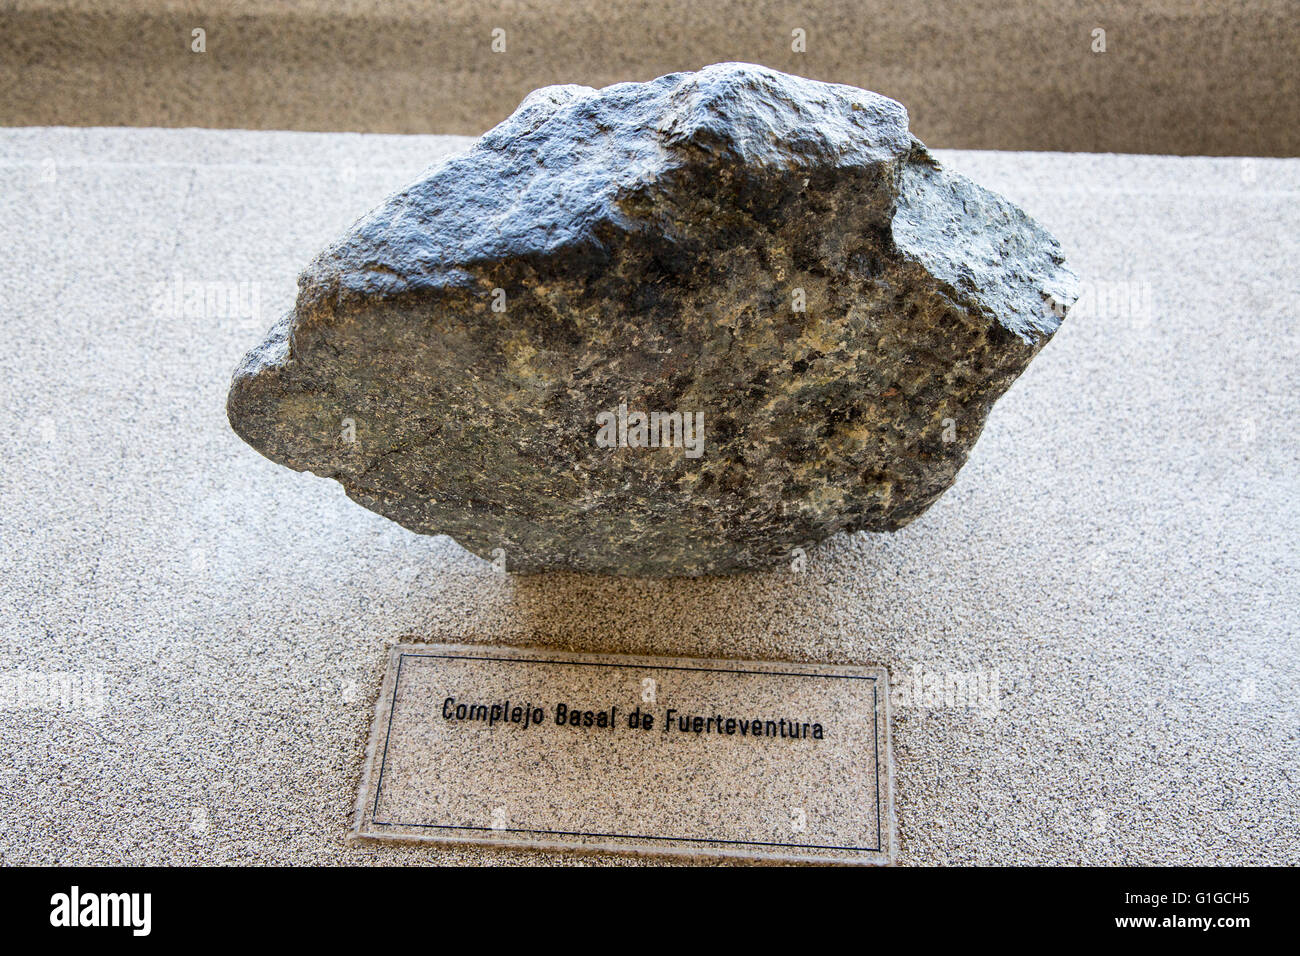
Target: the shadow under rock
(795, 613)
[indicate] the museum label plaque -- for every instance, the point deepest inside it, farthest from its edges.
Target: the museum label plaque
(541, 748)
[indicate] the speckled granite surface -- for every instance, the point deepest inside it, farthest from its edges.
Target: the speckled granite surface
(1120, 548)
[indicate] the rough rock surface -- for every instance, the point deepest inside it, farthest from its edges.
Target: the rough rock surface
(775, 254)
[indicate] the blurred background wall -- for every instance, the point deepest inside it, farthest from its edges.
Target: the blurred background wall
(1165, 76)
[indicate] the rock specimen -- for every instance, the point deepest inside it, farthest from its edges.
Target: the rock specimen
(675, 327)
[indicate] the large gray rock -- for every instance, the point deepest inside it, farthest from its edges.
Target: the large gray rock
(819, 313)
